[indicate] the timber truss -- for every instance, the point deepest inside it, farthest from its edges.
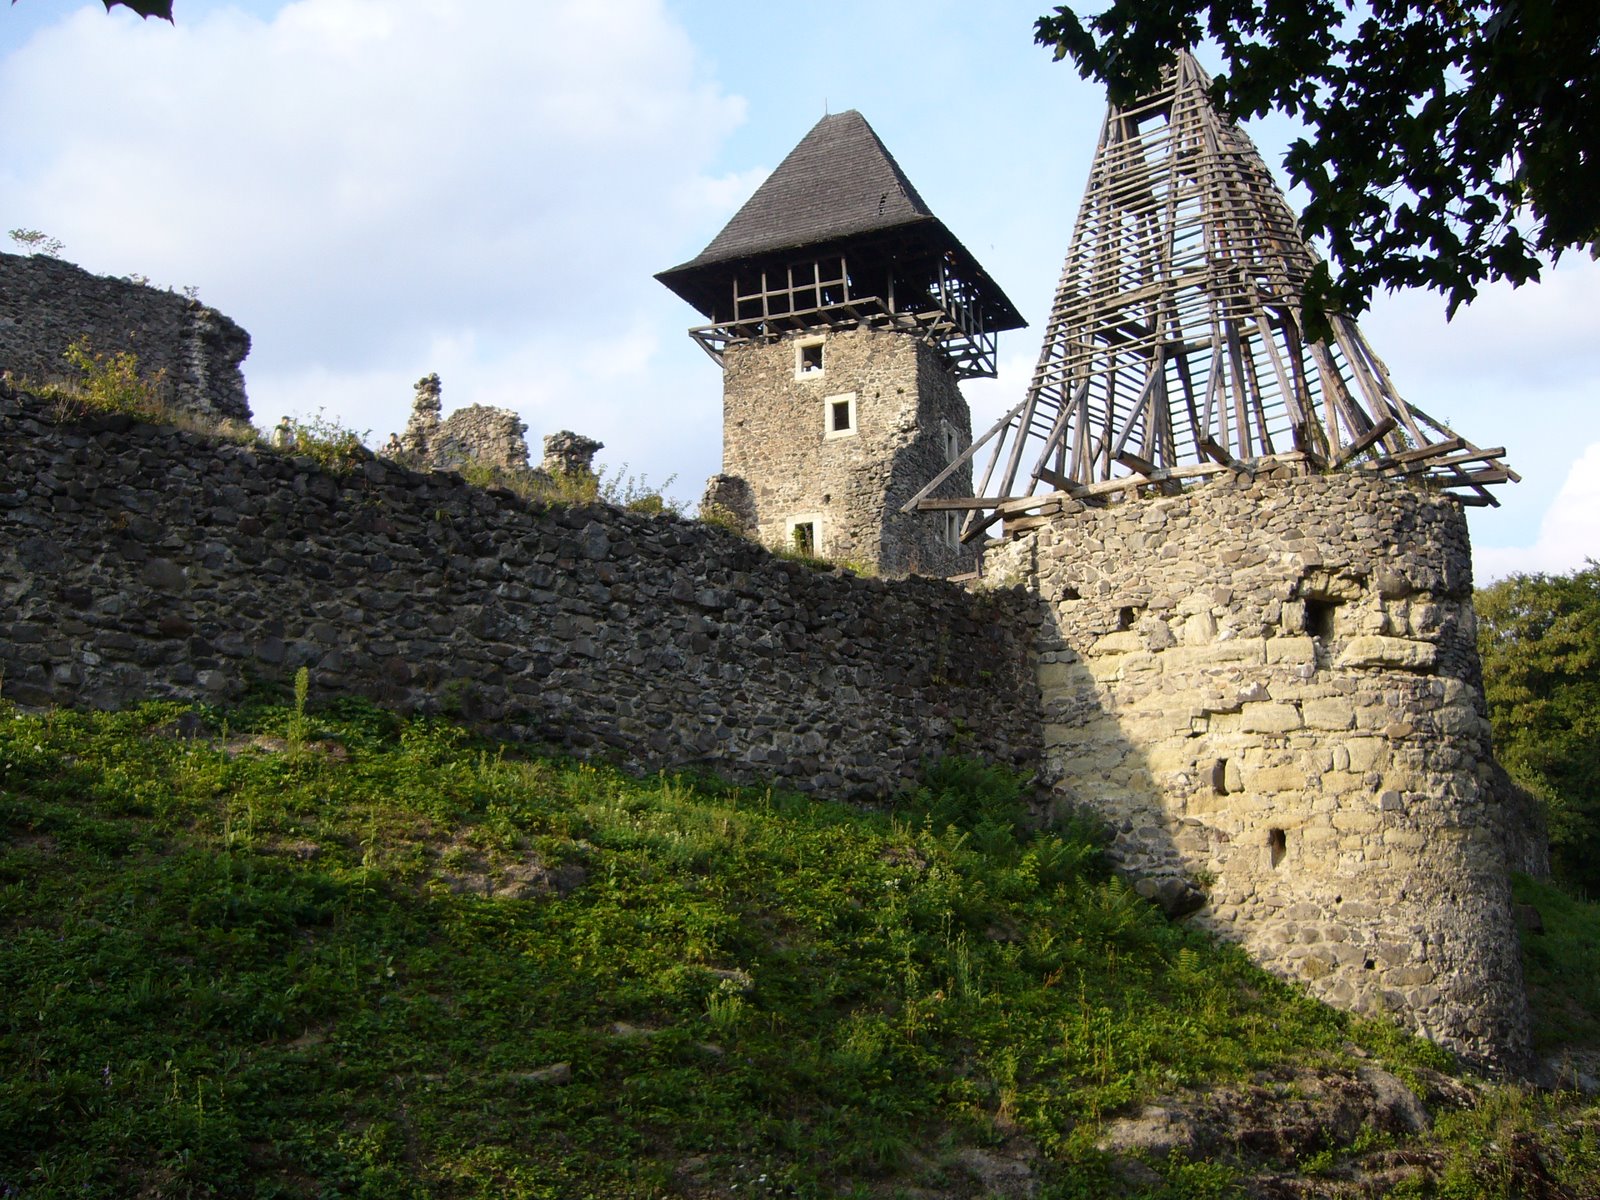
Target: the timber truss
(920, 294)
(1173, 349)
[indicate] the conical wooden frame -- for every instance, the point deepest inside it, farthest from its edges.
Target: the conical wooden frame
(1173, 349)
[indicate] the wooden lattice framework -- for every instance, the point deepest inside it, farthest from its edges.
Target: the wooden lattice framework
(1174, 350)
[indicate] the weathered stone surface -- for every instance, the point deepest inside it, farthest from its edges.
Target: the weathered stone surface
(47, 304)
(476, 434)
(1401, 653)
(848, 485)
(652, 641)
(1311, 760)
(568, 453)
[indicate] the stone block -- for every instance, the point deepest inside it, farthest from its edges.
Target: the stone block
(1269, 718)
(1291, 650)
(1330, 714)
(1366, 752)
(1123, 642)
(1371, 650)
(1275, 779)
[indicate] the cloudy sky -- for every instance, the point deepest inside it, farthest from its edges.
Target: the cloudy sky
(377, 189)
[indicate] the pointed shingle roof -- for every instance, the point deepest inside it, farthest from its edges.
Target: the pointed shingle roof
(839, 185)
(839, 181)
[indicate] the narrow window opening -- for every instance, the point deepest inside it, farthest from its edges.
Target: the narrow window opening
(804, 537)
(1219, 777)
(952, 443)
(840, 410)
(1276, 845)
(1320, 618)
(808, 357)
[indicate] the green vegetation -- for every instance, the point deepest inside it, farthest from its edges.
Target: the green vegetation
(1539, 637)
(36, 241)
(619, 488)
(107, 384)
(284, 952)
(1562, 965)
(114, 385)
(329, 443)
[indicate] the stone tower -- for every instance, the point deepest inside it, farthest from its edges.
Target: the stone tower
(845, 315)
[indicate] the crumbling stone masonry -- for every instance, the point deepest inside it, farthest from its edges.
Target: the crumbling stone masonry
(47, 304)
(494, 437)
(140, 562)
(568, 453)
(1272, 686)
(1269, 687)
(834, 430)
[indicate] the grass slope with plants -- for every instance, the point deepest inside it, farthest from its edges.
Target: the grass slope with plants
(275, 954)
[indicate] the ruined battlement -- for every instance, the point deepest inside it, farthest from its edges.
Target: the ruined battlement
(47, 304)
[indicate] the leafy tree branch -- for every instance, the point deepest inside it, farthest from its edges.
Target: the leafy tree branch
(1449, 142)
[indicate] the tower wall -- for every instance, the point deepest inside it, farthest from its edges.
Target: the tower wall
(1273, 689)
(778, 436)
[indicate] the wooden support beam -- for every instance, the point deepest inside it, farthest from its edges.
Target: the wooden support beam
(1371, 437)
(958, 503)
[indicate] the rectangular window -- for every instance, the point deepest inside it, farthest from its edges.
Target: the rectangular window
(839, 415)
(952, 443)
(808, 360)
(805, 533)
(952, 528)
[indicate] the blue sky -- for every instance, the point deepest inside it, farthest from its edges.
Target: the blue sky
(377, 189)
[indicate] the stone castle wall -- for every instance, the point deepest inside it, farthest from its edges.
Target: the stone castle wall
(46, 305)
(141, 562)
(776, 437)
(1272, 688)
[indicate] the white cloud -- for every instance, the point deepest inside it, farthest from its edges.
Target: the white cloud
(1568, 534)
(381, 189)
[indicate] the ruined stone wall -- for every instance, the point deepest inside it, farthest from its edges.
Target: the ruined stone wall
(142, 562)
(494, 437)
(1272, 688)
(47, 304)
(776, 436)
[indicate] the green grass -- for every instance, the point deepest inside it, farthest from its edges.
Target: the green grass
(341, 954)
(1562, 965)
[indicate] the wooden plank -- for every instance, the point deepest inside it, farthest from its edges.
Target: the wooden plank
(966, 456)
(1371, 436)
(956, 503)
(1209, 447)
(1024, 504)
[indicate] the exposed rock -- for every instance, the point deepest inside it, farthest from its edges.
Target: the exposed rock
(1271, 1120)
(423, 424)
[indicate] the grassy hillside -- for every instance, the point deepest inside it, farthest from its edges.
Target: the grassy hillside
(277, 955)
